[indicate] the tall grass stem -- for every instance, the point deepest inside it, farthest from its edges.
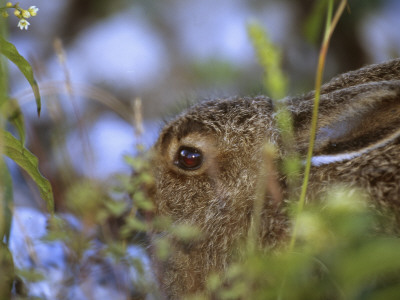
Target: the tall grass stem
(330, 27)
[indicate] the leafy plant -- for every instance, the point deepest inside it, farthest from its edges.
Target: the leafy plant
(337, 255)
(14, 148)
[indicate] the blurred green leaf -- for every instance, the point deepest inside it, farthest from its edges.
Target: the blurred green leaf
(360, 266)
(6, 201)
(146, 178)
(389, 292)
(30, 275)
(213, 282)
(7, 272)
(141, 201)
(85, 198)
(162, 223)
(133, 224)
(270, 59)
(314, 24)
(29, 162)
(138, 265)
(116, 249)
(337, 256)
(162, 248)
(9, 51)
(292, 165)
(186, 232)
(116, 208)
(57, 229)
(13, 113)
(138, 163)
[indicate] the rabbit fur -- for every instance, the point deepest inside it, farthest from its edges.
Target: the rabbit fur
(213, 185)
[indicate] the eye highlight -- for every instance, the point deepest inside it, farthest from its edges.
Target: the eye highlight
(188, 158)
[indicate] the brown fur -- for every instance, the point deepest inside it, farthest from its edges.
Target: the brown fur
(359, 116)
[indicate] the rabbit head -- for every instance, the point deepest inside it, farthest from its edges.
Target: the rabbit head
(208, 165)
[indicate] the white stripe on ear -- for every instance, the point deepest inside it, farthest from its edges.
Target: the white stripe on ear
(328, 159)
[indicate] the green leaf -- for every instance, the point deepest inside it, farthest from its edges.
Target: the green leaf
(116, 208)
(7, 272)
(6, 201)
(135, 224)
(13, 114)
(30, 275)
(29, 162)
(186, 232)
(9, 50)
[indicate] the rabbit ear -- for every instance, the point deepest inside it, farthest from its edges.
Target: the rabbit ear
(351, 121)
(386, 71)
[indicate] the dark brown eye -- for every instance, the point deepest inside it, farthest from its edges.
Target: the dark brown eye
(189, 158)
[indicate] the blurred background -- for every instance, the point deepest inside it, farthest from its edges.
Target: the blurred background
(93, 58)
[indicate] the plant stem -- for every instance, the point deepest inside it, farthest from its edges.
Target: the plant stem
(330, 26)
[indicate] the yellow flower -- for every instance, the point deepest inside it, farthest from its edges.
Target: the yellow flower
(23, 24)
(9, 4)
(4, 14)
(33, 10)
(17, 13)
(26, 14)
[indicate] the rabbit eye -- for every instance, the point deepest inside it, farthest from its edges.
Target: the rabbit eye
(189, 158)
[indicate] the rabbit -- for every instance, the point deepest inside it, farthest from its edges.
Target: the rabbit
(207, 166)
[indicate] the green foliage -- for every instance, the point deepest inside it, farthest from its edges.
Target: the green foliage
(6, 195)
(338, 256)
(9, 51)
(269, 58)
(27, 161)
(14, 149)
(7, 272)
(12, 112)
